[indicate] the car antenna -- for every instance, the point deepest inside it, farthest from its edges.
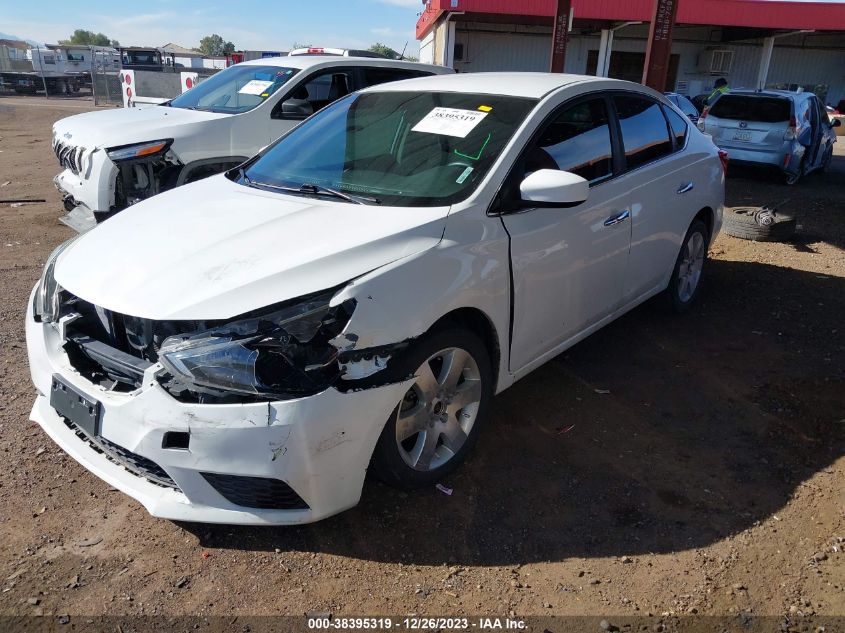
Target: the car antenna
(402, 54)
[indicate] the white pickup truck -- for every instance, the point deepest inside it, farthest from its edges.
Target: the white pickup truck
(115, 158)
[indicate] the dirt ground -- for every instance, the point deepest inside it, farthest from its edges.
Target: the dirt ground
(665, 466)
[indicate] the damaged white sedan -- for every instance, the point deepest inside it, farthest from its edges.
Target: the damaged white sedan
(243, 349)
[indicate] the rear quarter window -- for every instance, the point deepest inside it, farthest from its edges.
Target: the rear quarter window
(752, 108)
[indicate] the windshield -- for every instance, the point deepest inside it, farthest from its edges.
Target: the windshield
(752, 108)
(237, 89)
(396, 148)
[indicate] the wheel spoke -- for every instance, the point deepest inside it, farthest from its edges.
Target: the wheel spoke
(453, 435)
(426, 381)
(453, 367)
(468, 392)
(411, 422)
(427, 449)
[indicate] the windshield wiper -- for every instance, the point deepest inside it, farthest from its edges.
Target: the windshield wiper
(311, 189)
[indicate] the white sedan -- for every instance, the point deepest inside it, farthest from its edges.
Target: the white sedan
(243, 349)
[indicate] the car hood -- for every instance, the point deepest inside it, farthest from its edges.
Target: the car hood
(111, 128)
(215, 249)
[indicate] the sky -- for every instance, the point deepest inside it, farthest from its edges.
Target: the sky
(249, 24)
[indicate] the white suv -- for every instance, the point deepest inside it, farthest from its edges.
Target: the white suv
(113, 159)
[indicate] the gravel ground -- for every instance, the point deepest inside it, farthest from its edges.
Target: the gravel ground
(665, 466)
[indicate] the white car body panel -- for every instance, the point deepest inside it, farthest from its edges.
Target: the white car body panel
(244, 242)
(216, 249)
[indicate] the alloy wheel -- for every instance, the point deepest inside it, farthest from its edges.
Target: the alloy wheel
(689, 272)
(439, 410)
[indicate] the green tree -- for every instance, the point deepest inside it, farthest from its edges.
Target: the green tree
(384, 49)
(89, 38)
(215, 45)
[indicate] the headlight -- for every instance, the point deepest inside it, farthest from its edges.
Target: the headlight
(138, 150)
(281, 352)
(46, 306)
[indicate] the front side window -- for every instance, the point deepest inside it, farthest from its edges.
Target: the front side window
(645, 135)
(577, 140)
(324, 88)
(235, 90)
(394, 148)
(375, 75)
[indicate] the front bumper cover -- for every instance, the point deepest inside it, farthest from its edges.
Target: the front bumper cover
(320, 445)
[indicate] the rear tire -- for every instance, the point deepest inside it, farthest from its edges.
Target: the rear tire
(689, 268)
(437, 423)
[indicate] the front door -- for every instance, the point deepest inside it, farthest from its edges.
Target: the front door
(312, 94)
(568, 263)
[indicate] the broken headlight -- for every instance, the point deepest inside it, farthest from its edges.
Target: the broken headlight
(46, 304)
(138, 150)
(282, 352)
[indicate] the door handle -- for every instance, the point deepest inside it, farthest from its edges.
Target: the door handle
(619, 217)
(687, 187)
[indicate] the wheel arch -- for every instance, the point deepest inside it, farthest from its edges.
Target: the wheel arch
(707, 216)
(479, 323)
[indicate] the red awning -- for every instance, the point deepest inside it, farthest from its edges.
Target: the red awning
(766, 14)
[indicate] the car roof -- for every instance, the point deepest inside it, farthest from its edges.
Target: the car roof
(511, 84)
(789, 94)
(311, 61)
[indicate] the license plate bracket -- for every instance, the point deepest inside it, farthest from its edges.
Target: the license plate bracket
(68, 402)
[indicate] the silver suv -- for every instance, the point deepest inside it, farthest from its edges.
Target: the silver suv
(786, 130)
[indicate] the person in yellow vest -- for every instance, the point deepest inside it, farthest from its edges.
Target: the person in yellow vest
(720, 87)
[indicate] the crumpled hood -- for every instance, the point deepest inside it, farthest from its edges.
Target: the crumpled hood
(111, 128)
(215, 249)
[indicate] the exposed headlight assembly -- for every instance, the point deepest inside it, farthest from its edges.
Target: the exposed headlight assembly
(139, 150)
(280, 352)
(46, 305)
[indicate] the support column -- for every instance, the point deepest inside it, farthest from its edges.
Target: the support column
(765, 60)
(659, 44)
(605, 50)
(560, 35)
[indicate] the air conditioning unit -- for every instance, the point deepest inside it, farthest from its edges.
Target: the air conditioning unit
(716, 61)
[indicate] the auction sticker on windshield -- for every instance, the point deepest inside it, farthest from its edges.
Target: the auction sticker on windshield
(449, 122)
(255, 87)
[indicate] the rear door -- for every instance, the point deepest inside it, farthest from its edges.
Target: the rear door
(663, 180)
(748, 121)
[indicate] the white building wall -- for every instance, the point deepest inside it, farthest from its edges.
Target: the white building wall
(494, 47)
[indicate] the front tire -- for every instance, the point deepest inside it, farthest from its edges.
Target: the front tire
(438, 421)
(689, 268)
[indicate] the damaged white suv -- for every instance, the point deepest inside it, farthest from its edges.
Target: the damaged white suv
(112, 159)
(353, 297)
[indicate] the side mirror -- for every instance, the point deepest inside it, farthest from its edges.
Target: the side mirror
(836, 123)
(554, 188)
(297, 109)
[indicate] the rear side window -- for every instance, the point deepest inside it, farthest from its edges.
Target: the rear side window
(576, 140)
(752, 108)
(678, 125)
(645, 135)
(374, 76)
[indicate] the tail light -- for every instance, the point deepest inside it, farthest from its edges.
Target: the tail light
(700, 123)
(723, 157)
(792, 130)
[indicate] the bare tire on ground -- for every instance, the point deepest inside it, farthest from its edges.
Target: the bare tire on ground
(438, 421)
(759, 224)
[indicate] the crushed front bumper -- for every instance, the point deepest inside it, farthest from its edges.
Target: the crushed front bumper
(91, 188)
(319, 446)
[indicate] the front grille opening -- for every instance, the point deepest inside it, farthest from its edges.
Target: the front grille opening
(136, 464)
(256, 492)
